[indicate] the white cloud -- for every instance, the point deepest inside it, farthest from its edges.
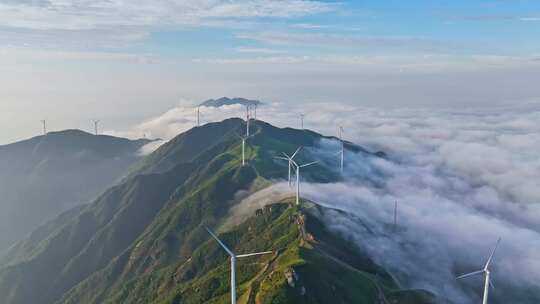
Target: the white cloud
(85, 15)
(310, 26)
(256, 60)
(118, 23)
(529, 18)
(244, 49)
(346, 40)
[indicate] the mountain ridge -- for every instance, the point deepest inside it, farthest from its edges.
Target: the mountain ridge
(45, 175)
(153, 223)
(225, 101)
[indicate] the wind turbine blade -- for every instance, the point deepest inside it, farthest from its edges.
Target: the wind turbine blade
(309, 164)
(287, 156)
(297, 150)
(253, 254)
(491, 255)
(221, 243)
(294, 163)
(470, 274)
(491, 284)
(279, 157)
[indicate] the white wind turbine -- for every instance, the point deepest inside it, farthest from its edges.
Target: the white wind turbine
(44, 123)
(298, 178)
(244, 139)
(342, 151)
(233, 263)
(247, 120)
(255, 111)
(395, 215)
(290, 160)
(485, 271)
(96, 126)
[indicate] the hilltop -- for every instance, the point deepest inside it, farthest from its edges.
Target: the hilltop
(144, 240)
(46, 175)
(225, 101)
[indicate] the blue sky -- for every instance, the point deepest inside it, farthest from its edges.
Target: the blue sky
(450, 27)
(460, 28)
(59, 58)
(226, 28)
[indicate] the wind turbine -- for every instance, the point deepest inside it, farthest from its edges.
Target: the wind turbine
(198, 116)
(244, 139)
(233, 263)
(342, 151)
(247, 120)
(485, 271)
(302, 121)
(290, 159)
(298, 178)
(395, 216)
(255, 111)
(44, 122)
(96, 125)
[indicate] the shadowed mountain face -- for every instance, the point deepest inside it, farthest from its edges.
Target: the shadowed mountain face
(46, 175)
(144, 240)
(225, 101)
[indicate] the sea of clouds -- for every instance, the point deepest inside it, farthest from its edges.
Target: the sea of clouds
(462, 179)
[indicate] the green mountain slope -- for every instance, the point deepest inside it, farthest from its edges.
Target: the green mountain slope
(144, 241)
(309, 265)
(46, 175)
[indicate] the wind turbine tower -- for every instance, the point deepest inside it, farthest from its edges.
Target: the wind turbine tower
(198, 116)
(233, 263)
(96, 127)
(247, 120)
(44, 123)
(244, 139)
(243, 151)
(395, 216)
(342, 152)
(298, 178)
(302, 121)
(485, 271)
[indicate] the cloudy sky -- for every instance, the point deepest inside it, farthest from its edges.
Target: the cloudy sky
(70, 61)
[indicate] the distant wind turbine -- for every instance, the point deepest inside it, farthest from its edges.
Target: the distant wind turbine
(244, 139)
(96, 125)
(247, 120)
(342, 151)
(302, 121)
(485, 271)
(255, 111)
(395, 216)
(44, 123)
(290, 160)
(233, 263)
(198, 116)
(298, 178)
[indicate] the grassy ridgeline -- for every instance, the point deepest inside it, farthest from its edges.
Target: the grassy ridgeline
(144, 241)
